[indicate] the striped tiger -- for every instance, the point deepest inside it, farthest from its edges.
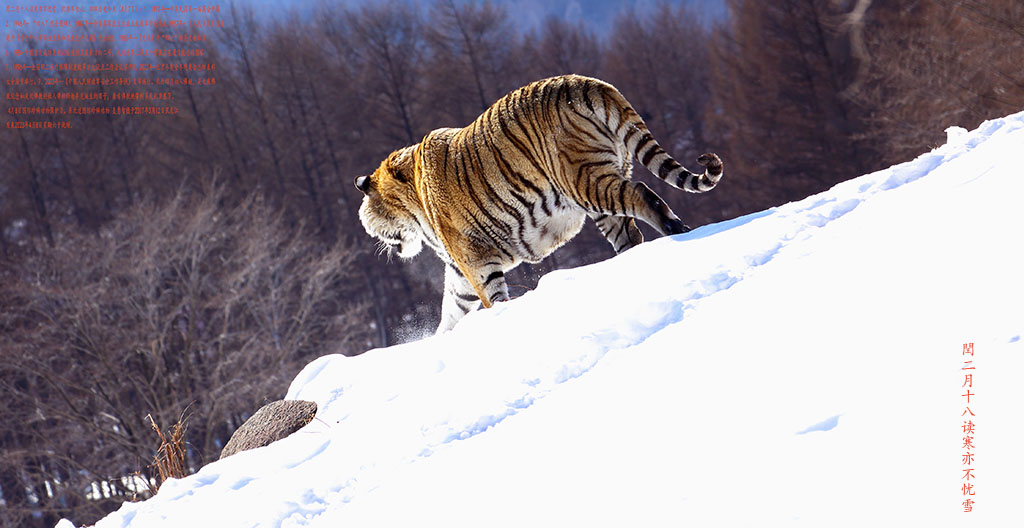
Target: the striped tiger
(519, 182)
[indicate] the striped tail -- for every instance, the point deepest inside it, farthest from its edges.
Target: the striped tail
(642, 144)
(630, 128)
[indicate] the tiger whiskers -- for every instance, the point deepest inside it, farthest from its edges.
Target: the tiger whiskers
(384, 247)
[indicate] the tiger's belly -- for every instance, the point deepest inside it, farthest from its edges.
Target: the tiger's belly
(550, 233)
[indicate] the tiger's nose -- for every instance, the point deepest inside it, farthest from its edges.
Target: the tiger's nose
(363, 183)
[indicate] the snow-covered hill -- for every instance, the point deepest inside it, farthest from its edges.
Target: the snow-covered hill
(801, 366)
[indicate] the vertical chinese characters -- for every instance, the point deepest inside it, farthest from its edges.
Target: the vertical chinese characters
(968, 428)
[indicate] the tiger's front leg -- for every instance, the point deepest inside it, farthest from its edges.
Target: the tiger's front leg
(459, 298)
(462, 295)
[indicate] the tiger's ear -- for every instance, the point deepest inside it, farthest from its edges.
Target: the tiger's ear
(401, 157)
(401, 164)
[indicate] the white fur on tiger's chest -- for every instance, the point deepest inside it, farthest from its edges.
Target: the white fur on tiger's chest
(551, 232)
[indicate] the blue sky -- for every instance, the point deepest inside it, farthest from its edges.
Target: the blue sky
(527, 13)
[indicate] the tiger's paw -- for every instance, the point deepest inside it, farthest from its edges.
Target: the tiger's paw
(711, 162)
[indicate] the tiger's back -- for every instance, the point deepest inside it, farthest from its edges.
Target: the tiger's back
(519, 182)
(517, 160)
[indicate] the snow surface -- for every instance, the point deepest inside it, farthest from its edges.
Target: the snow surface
(800, 366)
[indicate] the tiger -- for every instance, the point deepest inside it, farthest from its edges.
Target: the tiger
(519, 182)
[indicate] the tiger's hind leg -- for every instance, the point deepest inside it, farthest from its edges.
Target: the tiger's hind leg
(620, 231)
(626, 198)
(652, 209)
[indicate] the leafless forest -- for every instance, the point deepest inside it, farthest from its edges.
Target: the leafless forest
(191, 265)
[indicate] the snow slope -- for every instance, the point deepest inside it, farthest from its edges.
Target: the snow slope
(795, 367)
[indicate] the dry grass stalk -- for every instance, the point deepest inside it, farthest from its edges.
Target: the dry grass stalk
(169, 461)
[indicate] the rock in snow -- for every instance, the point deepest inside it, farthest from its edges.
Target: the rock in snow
(270, 423)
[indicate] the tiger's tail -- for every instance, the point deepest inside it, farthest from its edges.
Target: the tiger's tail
(639, 141)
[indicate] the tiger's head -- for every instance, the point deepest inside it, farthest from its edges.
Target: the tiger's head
(390, 204)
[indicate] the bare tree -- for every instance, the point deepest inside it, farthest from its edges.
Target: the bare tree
(935, 64)
(781, 108)
(240, 37)
(386, 41)
(184, 305)
(558, 48)
(470, 60)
